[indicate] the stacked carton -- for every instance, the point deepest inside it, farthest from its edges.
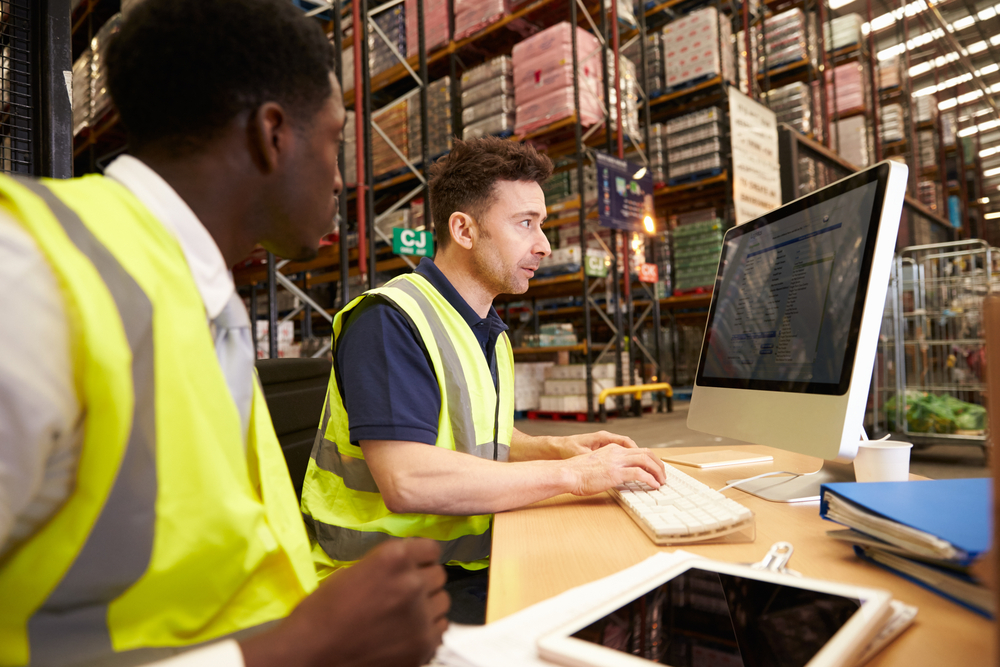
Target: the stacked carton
(842, 32)
(471, 16)
(99, 94)
(565, 184)
(925, 109)
(392, 22)
(849, 137)
(888, 73)
(543, 78)
(658, 152)
(949, 128)
(844, 89)
(438, 120)
(529, 379)
(628, 85)
(654, 61)
(791, 105)
(892, 123)
(692, 48)
(929, 193)
(697, 248)
(566, 387)
(694, 143)
(927, 146)
(81, 92)
(435, 26)
(394, 121)
(786, 39)
(488, 99)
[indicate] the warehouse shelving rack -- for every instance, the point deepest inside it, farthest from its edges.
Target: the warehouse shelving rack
(35, 117)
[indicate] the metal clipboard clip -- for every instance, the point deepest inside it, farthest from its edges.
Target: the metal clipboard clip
(776, 559)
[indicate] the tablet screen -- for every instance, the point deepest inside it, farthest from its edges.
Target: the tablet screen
(710, 619)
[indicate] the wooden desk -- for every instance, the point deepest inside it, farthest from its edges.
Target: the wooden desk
(551, 546)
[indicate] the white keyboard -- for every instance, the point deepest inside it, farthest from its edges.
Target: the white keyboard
(683, 510)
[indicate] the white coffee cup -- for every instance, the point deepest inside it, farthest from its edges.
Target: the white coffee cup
(883, 461)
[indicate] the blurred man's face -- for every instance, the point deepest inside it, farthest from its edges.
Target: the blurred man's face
(312, 183)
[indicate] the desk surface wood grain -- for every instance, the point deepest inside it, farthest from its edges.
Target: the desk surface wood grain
(549, 547)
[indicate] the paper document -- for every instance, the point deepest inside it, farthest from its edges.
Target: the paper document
(893, 532)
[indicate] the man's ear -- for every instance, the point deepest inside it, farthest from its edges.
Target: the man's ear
(269, 136)
(463, 229)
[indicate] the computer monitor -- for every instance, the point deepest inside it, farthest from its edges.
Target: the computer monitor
(793, 326)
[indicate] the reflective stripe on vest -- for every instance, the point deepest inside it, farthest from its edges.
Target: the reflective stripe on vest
(127, 570)
(341, 502)
(74, 617)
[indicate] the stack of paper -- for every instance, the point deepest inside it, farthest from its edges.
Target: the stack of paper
(929, 532)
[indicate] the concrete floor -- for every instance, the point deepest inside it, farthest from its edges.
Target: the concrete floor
(670, 430)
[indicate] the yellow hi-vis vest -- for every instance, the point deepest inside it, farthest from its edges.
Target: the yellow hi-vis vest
(344, 511)
(177, 531)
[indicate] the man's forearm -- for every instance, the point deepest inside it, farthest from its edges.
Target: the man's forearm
(524, 447)
(416, 478)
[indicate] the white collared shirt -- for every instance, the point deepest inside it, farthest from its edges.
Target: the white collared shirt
(41, 421)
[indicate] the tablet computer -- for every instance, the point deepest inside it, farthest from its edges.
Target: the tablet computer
(705, 613)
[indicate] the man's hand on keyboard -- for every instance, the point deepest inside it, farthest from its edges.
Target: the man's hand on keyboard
(613, 464)
(575, 445)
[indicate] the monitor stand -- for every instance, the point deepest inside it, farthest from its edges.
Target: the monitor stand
(798, 489)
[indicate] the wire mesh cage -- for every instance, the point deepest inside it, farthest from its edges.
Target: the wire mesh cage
(16, 99)
(939, 344)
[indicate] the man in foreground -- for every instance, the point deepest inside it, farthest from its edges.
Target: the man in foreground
(418, 436)
(145, 506)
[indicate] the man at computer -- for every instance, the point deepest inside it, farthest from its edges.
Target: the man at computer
(418, 437)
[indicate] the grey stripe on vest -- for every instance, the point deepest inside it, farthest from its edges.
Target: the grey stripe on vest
(354, 471)
(463, 426)
(71, 627)
(353, 544)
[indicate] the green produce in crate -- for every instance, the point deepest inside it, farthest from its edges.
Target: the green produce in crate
(929, 413)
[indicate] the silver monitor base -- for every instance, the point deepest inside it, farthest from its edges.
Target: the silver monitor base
(800, 489)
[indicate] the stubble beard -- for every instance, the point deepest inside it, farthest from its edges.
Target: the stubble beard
(496, 277)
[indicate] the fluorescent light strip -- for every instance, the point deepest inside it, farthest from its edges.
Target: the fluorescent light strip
(992, 216)
(991, 172)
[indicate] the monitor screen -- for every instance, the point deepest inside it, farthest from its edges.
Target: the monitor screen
(704, 619)
(790, 292)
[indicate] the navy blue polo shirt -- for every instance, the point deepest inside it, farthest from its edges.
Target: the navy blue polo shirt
(385, 376)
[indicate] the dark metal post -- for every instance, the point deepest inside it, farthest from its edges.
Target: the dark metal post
(578, 136)
(53, 145)
(644, 76)
(307, 311)
(361, 32)
(272, 308)
(424, 143)
(873, 81)
(821, 42)
(342, 230)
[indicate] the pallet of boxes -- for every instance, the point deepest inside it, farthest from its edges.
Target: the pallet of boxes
(564, 394)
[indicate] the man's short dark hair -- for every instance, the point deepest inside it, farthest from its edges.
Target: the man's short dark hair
(463, 181)
(181, 70)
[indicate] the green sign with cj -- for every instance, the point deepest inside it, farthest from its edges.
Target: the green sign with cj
(410, 242)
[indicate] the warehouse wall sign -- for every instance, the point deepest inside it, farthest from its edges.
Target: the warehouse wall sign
(756, 171)
(412, 242)
(624, 193)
